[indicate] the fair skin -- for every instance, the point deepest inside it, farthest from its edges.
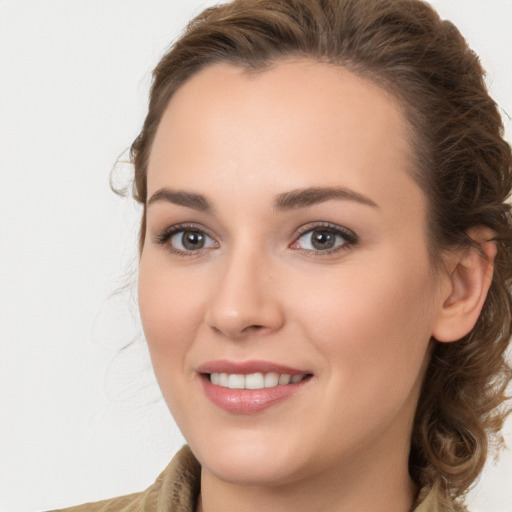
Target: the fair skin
(238, 275)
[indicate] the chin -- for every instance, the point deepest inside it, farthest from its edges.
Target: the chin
(250, 459)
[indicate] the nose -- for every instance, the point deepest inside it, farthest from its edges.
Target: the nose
(244, 299)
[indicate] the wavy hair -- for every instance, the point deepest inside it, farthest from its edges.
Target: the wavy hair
(461, 159)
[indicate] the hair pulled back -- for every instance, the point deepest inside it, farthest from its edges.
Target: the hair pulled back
(461, 161)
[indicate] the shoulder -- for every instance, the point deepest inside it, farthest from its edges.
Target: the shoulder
(128, 503)
(175, 490)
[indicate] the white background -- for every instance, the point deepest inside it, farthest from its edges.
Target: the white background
(81, 420)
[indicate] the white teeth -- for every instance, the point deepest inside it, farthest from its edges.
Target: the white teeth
(271, 380)
(236, 381)
(223, 380)
(284, 379)
(254, 380)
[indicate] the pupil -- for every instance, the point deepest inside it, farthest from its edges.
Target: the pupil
(192, 240)
(323, 240)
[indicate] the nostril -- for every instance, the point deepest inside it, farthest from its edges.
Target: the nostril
(250, 328)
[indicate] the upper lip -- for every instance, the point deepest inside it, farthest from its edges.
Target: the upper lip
(248, 367)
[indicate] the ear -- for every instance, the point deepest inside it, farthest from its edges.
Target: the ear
(468, 280)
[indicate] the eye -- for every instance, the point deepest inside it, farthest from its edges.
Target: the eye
(189, 240)
(325, 239)
(185, 240)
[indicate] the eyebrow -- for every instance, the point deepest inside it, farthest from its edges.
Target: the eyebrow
(181, 198)
(303, 198)
(293, 200)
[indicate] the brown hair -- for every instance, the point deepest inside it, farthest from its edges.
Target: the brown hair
(461, 161)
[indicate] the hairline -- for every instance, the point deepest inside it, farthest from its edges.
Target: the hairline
(419, 161)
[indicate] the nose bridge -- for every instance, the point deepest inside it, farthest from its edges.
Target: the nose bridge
(243, 298)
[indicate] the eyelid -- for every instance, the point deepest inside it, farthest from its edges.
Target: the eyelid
(350, 237)
(163, 237)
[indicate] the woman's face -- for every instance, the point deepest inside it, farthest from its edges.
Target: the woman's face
(286, 237)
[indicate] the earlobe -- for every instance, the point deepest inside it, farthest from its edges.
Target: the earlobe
(469, 279)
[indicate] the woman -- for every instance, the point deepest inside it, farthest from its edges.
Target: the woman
(325, 259)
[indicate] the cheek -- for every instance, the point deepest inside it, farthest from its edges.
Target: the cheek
(169, 309)
(372, 327)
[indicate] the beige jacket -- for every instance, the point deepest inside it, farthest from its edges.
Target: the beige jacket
(177, 489)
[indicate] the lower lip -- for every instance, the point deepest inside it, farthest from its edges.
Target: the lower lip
(249, 401)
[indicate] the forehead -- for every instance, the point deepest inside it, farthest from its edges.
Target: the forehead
(297, 123)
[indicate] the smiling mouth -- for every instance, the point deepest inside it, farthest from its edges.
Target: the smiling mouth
(256, 380)
(250, 387)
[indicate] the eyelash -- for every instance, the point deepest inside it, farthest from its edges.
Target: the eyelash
(350, 238)
(168, 233)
